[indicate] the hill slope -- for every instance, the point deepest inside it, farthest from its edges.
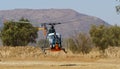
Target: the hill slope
(73, 20)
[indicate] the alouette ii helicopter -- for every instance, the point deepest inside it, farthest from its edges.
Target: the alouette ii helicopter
(54, 38)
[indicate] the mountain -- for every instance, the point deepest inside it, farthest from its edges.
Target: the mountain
(71, 20)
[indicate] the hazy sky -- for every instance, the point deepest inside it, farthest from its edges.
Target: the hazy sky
(104, 9)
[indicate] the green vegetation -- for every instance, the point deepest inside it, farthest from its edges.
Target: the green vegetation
(18, 33)
(103, 36)
(100, 36)
(80, 43)
(71, 45)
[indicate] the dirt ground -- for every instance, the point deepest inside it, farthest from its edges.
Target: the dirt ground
(55, 60)
(57, 65)
(49, 64)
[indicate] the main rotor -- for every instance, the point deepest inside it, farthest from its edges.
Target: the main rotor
(51, 24)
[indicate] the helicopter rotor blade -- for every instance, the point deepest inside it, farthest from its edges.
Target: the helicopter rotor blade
(44, 24)
(66, 22)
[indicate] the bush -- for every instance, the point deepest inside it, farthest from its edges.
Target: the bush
(103, 36)
(99, 36)
(71, 45)
(114, 35)
(18, 33)
(80, 43)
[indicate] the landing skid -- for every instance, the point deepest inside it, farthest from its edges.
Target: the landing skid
(53, 49)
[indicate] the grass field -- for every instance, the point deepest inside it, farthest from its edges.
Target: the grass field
(32, 58)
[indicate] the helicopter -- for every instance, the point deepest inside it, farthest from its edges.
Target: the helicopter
(54, 38)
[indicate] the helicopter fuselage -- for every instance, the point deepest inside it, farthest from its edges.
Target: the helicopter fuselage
(54, 38)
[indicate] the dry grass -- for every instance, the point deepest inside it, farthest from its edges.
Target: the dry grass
(112, 52)
(20, 51)
(35, 52)
(57, 60)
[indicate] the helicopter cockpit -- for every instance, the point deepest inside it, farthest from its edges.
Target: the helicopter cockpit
(53, 39)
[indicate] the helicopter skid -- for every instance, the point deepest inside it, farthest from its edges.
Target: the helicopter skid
(54, 50)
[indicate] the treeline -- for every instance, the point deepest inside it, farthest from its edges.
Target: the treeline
(100, 36)
(103, 36)
(21, 33)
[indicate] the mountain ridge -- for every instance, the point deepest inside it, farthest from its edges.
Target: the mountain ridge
(72, 21)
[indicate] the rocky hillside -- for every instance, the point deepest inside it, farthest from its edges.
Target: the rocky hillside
(72, 20)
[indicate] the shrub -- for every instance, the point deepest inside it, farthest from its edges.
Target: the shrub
(80, 43)
(18, 33)
(103, 36)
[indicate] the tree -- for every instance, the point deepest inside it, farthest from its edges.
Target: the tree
(83, 43)
(98, 35)
(118, 7)
(114, 35)
(103, 36)
(80, 43)
(72, 46)
(18, 33)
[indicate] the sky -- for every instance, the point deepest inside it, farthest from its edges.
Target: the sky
(103, 9)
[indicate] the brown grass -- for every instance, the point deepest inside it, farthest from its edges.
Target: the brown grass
(35, 52)
(32, 58)
(20, 51)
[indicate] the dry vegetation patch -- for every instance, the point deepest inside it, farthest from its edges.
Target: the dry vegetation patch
(113, 52)
(20, 51)
(28, 52)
